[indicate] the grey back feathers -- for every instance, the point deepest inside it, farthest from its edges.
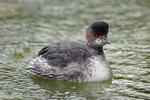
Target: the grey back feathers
(61, 61)
(60, 54)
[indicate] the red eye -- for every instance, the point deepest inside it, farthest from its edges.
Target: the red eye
(96, 36)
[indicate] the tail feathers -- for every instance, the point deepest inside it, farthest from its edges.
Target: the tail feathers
(39, 66)
(33, 71)
(36, 65)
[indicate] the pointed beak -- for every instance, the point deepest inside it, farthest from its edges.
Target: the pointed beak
(105, 40)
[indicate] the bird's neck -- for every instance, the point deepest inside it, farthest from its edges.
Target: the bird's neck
(99, 50)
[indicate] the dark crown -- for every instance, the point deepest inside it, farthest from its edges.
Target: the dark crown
(100, 27)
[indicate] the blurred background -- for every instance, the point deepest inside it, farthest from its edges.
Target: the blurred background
(28, 25)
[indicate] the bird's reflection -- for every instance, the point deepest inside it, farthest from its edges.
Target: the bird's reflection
(91, 90)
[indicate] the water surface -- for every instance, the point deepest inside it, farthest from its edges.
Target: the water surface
(28, 25)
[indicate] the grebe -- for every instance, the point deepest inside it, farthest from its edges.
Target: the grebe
(73, 61)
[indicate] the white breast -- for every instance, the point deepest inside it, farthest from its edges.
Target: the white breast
(99, 69)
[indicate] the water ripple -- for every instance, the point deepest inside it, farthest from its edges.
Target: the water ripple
(35, 23)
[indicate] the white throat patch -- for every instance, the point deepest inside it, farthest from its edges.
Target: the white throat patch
(99, 69)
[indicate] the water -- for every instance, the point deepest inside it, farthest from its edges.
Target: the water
(28, 25)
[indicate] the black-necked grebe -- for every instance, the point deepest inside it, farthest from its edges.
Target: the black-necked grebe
(73, 61)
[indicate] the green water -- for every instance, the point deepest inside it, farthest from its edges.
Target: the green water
(28, 25)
